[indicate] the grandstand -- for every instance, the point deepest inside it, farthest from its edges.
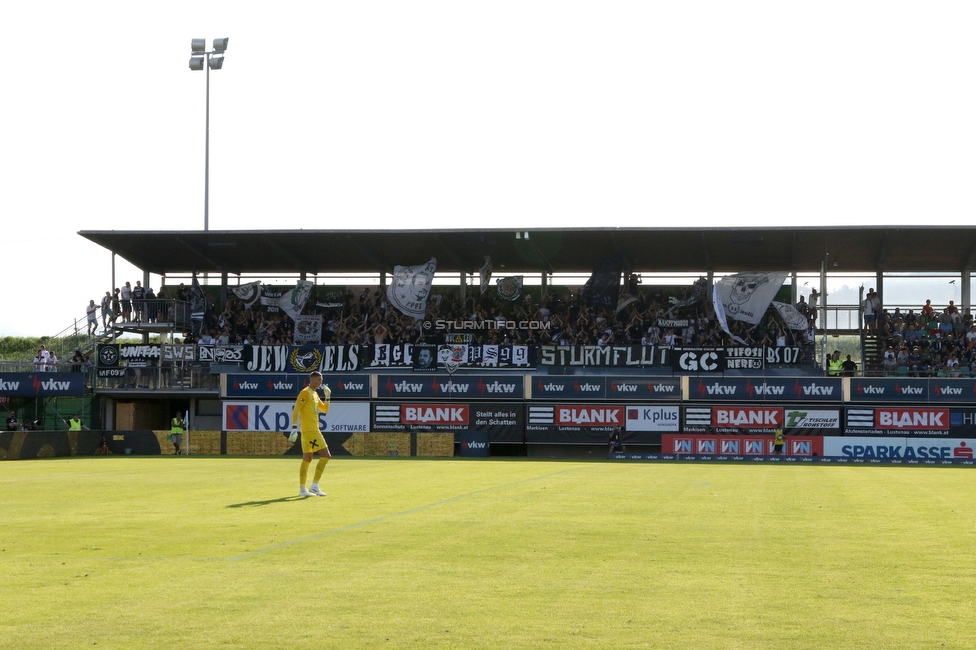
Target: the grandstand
(541, 363)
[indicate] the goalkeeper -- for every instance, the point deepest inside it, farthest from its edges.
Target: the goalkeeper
(306, 413)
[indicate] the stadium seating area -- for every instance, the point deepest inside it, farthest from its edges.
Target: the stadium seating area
(367, 318)
(928, 344)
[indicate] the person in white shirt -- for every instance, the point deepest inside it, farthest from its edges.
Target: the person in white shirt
(126, 296)
(92, 311)
(40, 361)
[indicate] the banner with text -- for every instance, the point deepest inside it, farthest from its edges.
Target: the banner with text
(302, 358)
(584, 423)
(288, 386)
(735, 447)
(345, 417)
(42, 384)
(908, 449)
(906, 389)
(502, 422)
(741, 419)
(387, 355)
(592, 387)
(768, 389)
(465, 386)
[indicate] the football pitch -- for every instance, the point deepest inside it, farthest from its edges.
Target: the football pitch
(178, 552)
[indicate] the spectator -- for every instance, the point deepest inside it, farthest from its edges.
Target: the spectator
(40, 361)
(814, 301)
(834, 364)
(952, 311)
(138, 295)
(116, 306)
(92, 311)
(872, 310)
(78, 361)
(12, 424)
(127, 303)
(849, 367)
(615, 444)
(75, 424)
(52, 362)
(106, 309)
(890, 361)
(150, 306)
(803, 307)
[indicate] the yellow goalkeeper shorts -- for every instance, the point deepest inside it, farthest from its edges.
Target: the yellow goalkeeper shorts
(313, 442)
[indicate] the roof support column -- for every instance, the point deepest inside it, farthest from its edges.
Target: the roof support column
(464, 287)
(223, 290)
(879, 288)
(964, 287)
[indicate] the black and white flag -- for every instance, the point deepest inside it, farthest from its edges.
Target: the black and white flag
(410, 287)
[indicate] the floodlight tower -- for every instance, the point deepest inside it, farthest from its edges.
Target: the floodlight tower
(214, 61)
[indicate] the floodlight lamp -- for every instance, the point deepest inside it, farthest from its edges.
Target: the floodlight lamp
(220, 44)
(196, 63)
(216, 62)
(198, 45)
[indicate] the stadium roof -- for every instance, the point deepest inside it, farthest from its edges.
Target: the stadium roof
(560, 250)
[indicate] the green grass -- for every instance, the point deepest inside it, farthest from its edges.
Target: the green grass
(217, 552)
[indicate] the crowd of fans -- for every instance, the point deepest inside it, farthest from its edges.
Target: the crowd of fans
(931, 343)
(928, 343)
(562, 318)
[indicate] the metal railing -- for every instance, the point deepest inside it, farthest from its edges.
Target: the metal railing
(195, 377)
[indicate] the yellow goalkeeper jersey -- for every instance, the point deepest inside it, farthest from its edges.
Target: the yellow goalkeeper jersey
(306, 410)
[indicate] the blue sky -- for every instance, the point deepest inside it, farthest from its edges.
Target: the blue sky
(459, 114)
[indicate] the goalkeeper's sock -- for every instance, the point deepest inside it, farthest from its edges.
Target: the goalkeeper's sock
(303, 472)
(319, 468)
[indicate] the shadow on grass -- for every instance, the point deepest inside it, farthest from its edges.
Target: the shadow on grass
(252, 504)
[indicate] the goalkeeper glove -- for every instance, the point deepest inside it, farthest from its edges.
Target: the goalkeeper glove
(327, 392)
(294, 434)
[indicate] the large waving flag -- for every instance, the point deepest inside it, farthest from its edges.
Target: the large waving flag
(484, 274)
(410, 287)
(293, 301)
(248, 293)
(603, 287)
(745, 297)
(793, 318)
